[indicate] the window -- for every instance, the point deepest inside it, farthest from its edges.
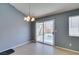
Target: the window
(74, 26)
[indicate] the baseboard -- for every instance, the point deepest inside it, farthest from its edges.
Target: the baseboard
(67, 49)
(20, 44)
(16, 46)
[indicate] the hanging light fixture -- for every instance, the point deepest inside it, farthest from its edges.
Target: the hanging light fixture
(29, 18)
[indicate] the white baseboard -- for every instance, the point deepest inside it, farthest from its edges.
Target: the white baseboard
(16, 46)
(20, 44)
(67, 49)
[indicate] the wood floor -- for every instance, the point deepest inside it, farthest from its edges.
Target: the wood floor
(40, 49)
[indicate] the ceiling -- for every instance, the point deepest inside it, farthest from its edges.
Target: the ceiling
(44, 9)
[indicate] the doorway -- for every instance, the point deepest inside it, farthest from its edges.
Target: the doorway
(45, 32)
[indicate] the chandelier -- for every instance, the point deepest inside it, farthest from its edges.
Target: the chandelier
(29, 18)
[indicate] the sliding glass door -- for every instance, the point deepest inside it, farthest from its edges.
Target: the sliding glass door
(45, 32)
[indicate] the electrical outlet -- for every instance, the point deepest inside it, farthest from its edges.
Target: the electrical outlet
(70, 44)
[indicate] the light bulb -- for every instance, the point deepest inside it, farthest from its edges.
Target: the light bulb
(33, 19)
(27, 18)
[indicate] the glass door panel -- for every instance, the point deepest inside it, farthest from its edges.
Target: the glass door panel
(49, 32)
(39, 32)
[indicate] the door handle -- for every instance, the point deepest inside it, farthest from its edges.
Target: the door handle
(54, 31)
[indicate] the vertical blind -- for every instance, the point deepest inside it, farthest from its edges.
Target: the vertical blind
(74, 26)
